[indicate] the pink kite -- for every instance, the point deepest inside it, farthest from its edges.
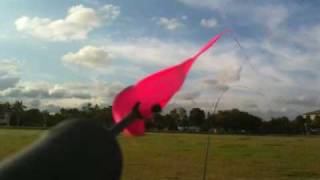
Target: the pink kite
(157, 88)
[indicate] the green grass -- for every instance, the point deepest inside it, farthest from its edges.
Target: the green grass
(13, 140)
(181, 156)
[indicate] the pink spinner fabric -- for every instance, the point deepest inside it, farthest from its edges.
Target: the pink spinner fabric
(157, 88)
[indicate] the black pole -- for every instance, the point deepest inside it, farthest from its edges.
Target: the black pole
(134, 115)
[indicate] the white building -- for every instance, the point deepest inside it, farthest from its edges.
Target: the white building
(312, 114)
(188, 128)
(5, 119)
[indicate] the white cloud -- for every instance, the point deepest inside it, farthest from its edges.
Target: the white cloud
(209, 23)
(188, 95)
(62, 95)
(89, 56)
(223, 65)
(35, 103)
(230, 74)
(216, 4)
(160, 53)
(149, 51)
(308, 37)
(224, 77)
(79, 21)
(9, 74)
(169, 24)
(184, 17)
(268, 80)
(271, 16)
(109, 12)
(98, 92)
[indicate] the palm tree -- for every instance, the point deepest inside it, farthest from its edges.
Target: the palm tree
(5, 107)
(17, 109)
(87, 107)
(45, 116)
(5, 110)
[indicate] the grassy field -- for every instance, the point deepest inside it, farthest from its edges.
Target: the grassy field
(181, 156)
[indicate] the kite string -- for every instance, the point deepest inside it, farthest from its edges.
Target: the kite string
(233, 36)
(259, 90)
(205, 165)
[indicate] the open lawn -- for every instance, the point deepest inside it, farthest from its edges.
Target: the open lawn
(181, 156)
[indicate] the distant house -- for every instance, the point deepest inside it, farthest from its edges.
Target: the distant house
(188, 128)
(312, 115)
(5, 119)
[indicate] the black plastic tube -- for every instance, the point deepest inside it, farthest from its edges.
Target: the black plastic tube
(76, 149)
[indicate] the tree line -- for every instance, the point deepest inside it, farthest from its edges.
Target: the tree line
(179, 119)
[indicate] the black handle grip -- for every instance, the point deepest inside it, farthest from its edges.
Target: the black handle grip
(76, 149)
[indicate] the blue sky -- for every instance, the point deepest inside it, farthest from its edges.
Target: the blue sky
(67, 53)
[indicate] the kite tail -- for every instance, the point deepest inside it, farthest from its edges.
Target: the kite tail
(187, 64)
(209, 44)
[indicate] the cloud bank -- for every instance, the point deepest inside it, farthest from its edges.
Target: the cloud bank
(79, 21)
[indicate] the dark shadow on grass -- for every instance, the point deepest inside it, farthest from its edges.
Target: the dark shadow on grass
(303, 174)
(233, 146)
(274, 144)
(244, 139)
